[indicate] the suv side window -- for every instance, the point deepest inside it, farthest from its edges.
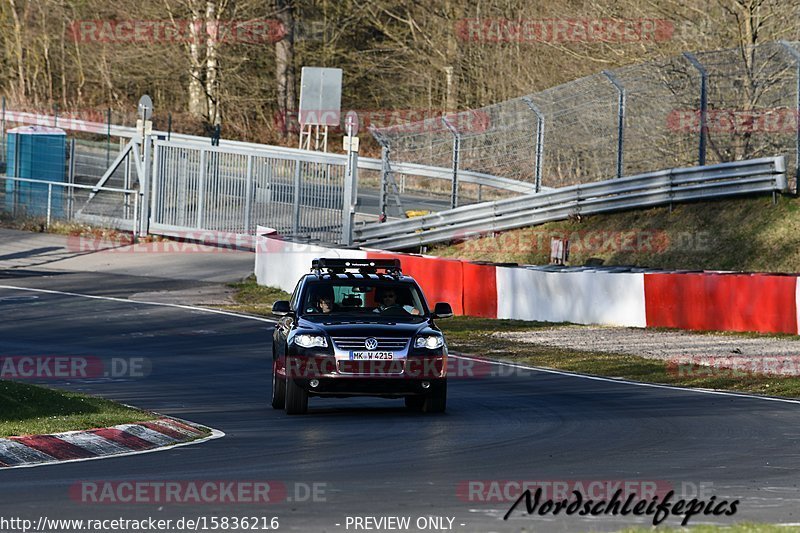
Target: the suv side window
(294, 302)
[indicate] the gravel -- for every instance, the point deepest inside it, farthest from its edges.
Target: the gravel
(699, 348)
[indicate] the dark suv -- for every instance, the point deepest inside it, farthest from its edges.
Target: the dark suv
(358, 327)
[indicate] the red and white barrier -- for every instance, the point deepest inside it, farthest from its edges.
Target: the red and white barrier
(722, 302)
(579, 297)
(282, 263)
(469, 288)
(696, 301)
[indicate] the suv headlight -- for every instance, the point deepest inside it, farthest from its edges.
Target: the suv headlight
(430, 342)
(310, 341)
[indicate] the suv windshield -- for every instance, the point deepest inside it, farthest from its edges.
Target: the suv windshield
(363, 296)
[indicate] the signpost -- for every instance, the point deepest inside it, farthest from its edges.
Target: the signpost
(145, 125)
(351, 177)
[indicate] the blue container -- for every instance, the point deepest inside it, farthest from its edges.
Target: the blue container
(36, 153)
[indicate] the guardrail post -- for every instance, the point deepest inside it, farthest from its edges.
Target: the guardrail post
(126, 183)
(296, 207)
(145, 185)
(386, 168)
(201, 189)
(71, 178)
(456, 147)
(155, 198)
(796, 57)
(108, 137)
(349, 197)
(135, 217)
(49, 204)
(248, 204)
(539, 142)
(620, 119)
(384, 191)
(703, 105)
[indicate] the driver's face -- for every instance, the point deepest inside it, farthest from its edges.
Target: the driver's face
(325, 305)
(389, 297)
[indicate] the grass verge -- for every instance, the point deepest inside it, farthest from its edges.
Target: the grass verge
(35, 410)
(254, 299)
(474, 336)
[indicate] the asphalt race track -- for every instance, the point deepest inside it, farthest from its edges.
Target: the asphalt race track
(370, 457)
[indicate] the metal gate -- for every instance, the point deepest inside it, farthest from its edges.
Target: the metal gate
(225, 189)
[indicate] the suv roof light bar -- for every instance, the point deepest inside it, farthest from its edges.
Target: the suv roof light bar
(362, 266)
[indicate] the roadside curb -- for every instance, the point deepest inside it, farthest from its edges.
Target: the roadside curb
(625, 381)
(124, 439)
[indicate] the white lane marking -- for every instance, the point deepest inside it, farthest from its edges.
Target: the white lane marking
(625, 381)
(18, 298)
(125, 300)
(501, 363)
(215, 434)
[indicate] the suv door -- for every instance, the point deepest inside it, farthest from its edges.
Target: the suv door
(285, 325)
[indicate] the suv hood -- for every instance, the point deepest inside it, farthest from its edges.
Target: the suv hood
(365, 326)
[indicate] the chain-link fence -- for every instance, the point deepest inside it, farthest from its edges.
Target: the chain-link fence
(91, 146)
(41, 203)
(691, 109)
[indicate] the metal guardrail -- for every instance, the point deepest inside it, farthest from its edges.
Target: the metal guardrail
(644, 190)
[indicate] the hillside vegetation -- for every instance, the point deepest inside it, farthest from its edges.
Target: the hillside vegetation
(237, 63)
(748, 234)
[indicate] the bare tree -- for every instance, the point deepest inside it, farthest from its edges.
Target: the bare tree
(285, 73)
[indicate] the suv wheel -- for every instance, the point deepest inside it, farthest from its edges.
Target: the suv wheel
(415, 403)
(436, 400)
(433, 402)
(296, 398)
(278, 390)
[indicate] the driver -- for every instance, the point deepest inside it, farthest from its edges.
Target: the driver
(325, 304)
(388, 300)
(321, 302)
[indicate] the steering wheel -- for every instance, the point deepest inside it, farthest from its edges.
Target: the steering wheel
(393, 310)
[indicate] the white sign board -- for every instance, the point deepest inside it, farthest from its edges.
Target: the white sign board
(320, 96)
(350, 144)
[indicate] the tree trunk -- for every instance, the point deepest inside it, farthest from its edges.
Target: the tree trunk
(197, 101)
(284, 64)
(451, 59)
(18, 53)
(212, 62)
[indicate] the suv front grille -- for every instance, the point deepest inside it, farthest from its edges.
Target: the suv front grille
(384, 343)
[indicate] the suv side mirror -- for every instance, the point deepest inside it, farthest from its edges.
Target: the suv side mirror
(281, 308)
(442, 310)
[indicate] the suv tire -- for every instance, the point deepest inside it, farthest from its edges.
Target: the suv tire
(296, 398)
(278, 390)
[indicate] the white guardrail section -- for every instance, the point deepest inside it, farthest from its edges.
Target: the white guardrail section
(644, 190)
(366, 163)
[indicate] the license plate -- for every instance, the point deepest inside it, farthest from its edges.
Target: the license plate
(361, 356)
